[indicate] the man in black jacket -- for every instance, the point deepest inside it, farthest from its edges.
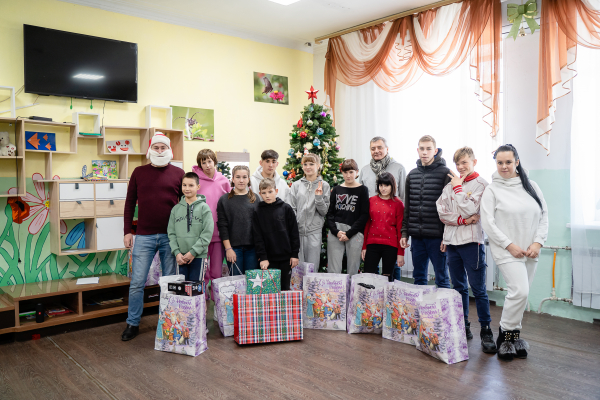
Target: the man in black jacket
(424, 185)
(275, 231)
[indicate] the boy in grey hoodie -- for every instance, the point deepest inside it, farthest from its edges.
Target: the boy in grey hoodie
(190, 229)
(268, 163)
(309, 199)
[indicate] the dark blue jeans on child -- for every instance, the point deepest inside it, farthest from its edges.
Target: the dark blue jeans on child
(245, 260)
(467, 267)
(192, 270)
(423, 250)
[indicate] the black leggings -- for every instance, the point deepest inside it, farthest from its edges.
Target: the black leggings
(387, 254)
(286, 272)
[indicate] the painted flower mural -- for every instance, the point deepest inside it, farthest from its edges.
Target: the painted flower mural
(38, 206)
(20, 209)
(77, 234)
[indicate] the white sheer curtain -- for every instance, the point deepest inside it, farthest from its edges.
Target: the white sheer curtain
(443, 107)
(446, 108)
(585, 180)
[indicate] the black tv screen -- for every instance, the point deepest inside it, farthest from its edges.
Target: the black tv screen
(68, 64)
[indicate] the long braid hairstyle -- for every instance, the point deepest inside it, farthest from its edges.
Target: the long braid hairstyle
(250, 194)
(524, 179)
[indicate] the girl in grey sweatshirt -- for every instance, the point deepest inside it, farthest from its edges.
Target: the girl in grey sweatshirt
(515, 218)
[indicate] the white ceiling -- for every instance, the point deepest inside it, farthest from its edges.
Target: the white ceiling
(261, 20)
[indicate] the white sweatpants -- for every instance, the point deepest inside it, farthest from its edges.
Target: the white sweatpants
(335, 252)
(310, 249)
(518, 277)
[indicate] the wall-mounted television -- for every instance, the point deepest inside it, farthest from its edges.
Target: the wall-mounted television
(69, 64)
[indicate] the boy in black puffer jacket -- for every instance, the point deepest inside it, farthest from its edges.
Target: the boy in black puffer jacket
(422, 223)
(275, 231)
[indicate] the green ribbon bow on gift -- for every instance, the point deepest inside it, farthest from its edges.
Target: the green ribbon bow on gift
(515, 14)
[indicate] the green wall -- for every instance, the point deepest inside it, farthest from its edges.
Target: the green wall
(30, 242)
(555, 186)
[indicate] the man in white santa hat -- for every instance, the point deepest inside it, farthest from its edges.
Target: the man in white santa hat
(156, 188)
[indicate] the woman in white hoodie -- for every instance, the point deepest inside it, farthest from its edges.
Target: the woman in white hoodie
(515, 218)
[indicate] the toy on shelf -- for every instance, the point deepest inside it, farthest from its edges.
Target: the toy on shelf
(6, 147)
(40, 141)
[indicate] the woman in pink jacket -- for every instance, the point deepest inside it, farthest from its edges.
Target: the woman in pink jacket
(212, 185)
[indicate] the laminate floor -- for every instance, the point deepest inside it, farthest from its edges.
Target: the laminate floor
(564, 363)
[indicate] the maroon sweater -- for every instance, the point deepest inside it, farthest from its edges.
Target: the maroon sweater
(156, 191)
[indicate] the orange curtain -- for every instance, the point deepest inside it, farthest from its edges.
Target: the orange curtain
(436, 42)
(564, 25)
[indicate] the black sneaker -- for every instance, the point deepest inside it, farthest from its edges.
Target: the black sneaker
(487, 340)
(468, 330)
(130, 332)
(521, 346)
(506, 349)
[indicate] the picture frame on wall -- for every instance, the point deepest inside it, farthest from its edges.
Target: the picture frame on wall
(270, 88)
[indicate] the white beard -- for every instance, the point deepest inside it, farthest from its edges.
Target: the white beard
(160, 159)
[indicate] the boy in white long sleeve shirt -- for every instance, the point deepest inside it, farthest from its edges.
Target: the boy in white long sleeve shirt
(458, 207)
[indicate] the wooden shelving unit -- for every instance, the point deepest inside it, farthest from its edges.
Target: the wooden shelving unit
(72, 141)
(144, 137)
(17, 137)
(20, 298)
(100, 204)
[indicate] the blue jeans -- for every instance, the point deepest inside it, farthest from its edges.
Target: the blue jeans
(192, 270)
(245, 260)
(423, 250)
(144, 250)
(397, 274)
(467, 261)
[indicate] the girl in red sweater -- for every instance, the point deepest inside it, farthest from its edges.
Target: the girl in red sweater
(382, 232)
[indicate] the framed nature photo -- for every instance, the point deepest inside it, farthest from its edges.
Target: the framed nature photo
(196, 123)
(270, 88)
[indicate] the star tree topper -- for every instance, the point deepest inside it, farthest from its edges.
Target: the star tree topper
(312, 94)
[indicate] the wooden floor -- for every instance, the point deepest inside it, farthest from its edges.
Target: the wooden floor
(564, 363)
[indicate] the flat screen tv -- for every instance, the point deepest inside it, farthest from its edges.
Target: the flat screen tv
(68, 64)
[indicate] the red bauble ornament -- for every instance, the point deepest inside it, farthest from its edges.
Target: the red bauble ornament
(299, 125)
(303, 134)
(312, 94)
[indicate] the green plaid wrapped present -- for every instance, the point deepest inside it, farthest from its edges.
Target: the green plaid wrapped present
(260, 281)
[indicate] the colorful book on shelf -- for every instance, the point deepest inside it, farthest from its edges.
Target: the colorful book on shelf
(27, 313)
(57, 310)
(104, 169)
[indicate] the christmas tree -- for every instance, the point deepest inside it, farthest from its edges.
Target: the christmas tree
(314, 133)
(223, 167)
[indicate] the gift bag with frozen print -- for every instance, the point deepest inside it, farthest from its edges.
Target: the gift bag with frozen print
(297, 279)
(324, 301)
(401, 311)
(224, 289)
(442, 326)
(182, 325)
(365, 308)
